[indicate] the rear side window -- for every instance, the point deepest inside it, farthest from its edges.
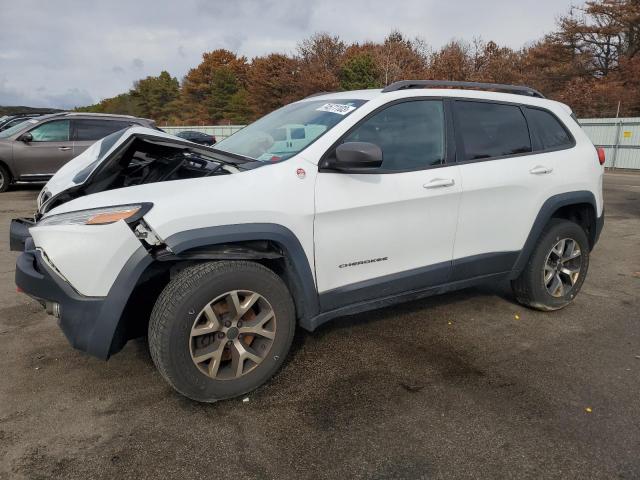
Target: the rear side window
(96, 129)
(491, 129)
(546, 130)
(410, 134)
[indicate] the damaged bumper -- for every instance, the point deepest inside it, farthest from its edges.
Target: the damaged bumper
(89, 323)
(18, 233)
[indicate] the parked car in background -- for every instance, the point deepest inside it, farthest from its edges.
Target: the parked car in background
(9, 121)
(197, 137)
(33, 150)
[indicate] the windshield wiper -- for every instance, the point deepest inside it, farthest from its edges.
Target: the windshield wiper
(235, 156)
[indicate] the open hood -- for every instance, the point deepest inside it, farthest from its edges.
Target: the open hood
(135, 156)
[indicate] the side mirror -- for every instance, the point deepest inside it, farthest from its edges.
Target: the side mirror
(355, 157)
(26, 137)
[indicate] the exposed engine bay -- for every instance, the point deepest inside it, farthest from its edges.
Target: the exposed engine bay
(140, 160)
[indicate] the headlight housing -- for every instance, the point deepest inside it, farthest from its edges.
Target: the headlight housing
(98, 216)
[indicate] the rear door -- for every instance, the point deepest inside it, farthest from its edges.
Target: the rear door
(50, 148)
(86, 131)
(504, 183)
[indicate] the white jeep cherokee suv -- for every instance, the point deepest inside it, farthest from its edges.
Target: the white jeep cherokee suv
(336, 204)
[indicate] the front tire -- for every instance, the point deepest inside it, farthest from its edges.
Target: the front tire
(221, 329)
(556, 269)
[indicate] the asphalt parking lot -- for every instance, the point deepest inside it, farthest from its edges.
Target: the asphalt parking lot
(466, 385)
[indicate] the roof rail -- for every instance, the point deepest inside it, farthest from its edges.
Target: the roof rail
(317, 94)
(108, 115)
(517, 89)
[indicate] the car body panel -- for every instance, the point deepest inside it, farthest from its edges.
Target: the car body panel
(79, 251)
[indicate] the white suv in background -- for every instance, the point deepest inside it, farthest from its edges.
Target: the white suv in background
(368, 198)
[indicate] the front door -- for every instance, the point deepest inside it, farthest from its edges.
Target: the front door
(381, 233)
(49, 149)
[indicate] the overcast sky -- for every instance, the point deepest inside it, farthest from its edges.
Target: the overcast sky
(66, 53)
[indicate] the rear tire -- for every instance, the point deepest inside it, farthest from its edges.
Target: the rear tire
(556, 269)
(221, 329)
(5, 178)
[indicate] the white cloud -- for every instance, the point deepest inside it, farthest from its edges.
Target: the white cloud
(83, 52)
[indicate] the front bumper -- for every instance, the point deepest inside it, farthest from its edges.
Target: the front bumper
(89, 323)
(18, 233)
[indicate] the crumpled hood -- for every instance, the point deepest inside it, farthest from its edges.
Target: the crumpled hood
(261, 193)
(96, 154)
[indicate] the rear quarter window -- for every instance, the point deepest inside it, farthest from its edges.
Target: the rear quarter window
(91, 130)
(547, 132)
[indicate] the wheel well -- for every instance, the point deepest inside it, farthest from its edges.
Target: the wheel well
(583, 214)
(6, 167)
(135, 316)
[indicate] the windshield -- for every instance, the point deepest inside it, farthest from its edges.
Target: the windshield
(290, 129)
(16, 128)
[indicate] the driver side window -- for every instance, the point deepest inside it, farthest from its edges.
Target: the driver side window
(410, 134)
(56, 131)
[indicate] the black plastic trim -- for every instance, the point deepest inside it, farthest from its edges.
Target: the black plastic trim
(89, 323)
(483, 264)
(385, 286)
(549, 207)
(18, 233)
(517, 89)
(312, 323)
(307, 305)
(599, 227)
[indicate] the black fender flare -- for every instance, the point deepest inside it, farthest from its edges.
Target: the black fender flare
(549, 207)
(308, 305)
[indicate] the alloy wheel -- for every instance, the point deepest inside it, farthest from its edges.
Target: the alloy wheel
(232, 334)
(562, 267)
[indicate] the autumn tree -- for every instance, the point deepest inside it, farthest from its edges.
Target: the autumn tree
(274, 82)
(123, 104)
(451, 62)
(320, 57)
(154, 95)
(495, 64)
(221, 73)
(399, 58)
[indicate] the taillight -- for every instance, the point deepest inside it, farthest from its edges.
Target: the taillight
(601, 156)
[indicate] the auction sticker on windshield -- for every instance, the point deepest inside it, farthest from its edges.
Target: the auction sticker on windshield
(339, 108)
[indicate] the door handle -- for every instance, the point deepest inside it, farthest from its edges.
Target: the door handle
(64, 149)
(540, 170)
(440, 183)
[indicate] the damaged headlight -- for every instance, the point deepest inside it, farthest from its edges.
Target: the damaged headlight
(98, 216)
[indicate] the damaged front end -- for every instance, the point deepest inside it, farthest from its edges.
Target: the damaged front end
(134, 156)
